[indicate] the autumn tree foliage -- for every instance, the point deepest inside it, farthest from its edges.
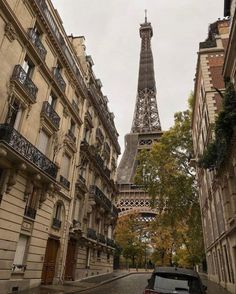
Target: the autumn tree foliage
(167, 176)
(128, 234)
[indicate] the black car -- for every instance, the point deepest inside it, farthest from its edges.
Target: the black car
(173, 280)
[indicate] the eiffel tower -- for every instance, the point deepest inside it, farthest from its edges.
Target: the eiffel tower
(146, 130)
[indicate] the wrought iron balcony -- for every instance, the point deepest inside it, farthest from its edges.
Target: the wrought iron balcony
(20, 145)
(100, 197)
(72, 136)
(64, 182)
(30, 212)
(99, 135)
(37, 43)
(59, 79)
(50, 114)
(75, 106)
(56, 223)
(110, 243)
(21, 77)
(101, 238)
(91, 234)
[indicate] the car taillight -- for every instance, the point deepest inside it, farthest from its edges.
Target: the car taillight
(151, 292)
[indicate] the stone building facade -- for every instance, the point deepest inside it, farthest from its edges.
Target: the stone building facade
(216, 188)
(58, 153)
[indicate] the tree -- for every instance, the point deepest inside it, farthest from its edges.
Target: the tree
(128, 236)
(167, 176)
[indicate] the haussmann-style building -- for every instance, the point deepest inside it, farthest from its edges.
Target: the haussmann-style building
(217, 186)
(58, 153)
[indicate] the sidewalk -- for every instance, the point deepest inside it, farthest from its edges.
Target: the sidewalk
(212, 288)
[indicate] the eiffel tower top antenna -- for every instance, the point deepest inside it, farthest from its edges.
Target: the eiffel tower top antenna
(145, 15)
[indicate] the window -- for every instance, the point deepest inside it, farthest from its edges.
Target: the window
(72, 126)
(20, 254)
(56, 223)
(52, 100)
(86, 134)
(31, 202)
(14, 114)
(43, 142)
(65, 166)
(28, 66)
(57, 212)
(170, 282)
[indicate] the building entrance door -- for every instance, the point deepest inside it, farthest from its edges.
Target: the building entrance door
(70, 260)
(50, 261)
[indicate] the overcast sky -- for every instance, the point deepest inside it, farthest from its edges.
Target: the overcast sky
(111, 30)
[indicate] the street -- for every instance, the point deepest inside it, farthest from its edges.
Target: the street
(132, 284)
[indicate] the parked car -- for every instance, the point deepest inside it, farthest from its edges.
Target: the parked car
(173, 280)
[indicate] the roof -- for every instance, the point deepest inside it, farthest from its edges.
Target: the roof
(176, 270)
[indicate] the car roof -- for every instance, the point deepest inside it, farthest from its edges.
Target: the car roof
(176, 270)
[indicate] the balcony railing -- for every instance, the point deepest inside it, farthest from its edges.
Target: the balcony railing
(101, 238)
(59, 79)
(51, 114)
(100, 197)
(99, 135)
(24, 148)
(20, 76)
(111, 243)
(72, 136)
(56, 223)
(37, 43)
(64, 182)
(91, 234)
(30, 212)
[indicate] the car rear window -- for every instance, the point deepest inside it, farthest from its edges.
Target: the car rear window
(177, 283)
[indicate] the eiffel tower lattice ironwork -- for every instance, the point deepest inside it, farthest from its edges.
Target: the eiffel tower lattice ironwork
(146, 130)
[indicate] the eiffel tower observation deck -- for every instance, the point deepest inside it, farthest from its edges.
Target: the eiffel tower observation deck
(146, 130)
